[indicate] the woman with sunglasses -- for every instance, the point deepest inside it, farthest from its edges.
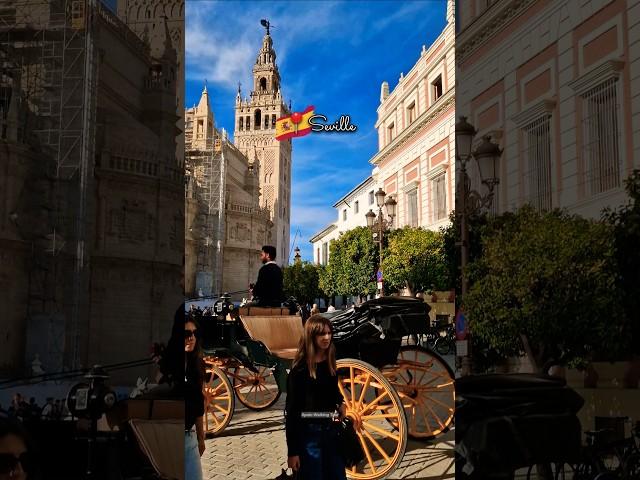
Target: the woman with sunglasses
(194, 373)
(14, 452)
(313, 388)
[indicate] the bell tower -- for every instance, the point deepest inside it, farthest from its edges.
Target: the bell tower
(255, 129)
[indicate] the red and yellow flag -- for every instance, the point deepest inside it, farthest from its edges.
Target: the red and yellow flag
(294, 125)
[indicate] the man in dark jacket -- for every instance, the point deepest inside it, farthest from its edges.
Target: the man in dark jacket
(268, 287)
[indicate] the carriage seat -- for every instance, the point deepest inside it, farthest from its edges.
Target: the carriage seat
(280, 333)
(263, 311)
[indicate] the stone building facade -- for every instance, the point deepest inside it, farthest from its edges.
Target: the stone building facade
(254, 136)
(129, 257)
(556, 84)
(226, 226)
(142, 17)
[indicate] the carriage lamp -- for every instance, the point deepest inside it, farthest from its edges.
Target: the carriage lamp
(487, 156)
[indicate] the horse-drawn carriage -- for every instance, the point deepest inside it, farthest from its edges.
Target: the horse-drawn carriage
(392, 389)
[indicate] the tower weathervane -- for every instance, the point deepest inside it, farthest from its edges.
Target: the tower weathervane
(265, 24)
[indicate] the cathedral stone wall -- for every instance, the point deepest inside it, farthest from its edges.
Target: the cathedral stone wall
(245, 226)
(134, 224)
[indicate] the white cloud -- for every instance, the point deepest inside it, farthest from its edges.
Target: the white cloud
(221, 46)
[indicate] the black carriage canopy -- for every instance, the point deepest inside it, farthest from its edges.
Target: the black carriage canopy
(373, 330)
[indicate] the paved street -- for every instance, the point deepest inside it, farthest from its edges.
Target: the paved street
(253, 447)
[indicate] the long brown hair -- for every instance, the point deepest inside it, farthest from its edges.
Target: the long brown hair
(314, 326)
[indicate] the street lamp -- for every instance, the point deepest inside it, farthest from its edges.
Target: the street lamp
(297, 258)
(378, 224)
(487, 155)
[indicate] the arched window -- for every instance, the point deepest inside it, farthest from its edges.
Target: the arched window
(247, 123)
(263, 84)
(273, 121)
(266, 122)
(257, 120)
(240, 123)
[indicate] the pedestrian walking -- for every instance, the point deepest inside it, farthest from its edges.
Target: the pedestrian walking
(194, 402)
(47, 410)
(312, 443)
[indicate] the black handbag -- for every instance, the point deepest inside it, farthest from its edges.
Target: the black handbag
(349, 443)
(285, 476)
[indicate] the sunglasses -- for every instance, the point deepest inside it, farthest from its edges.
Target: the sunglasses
(9, 463)
(190, 333)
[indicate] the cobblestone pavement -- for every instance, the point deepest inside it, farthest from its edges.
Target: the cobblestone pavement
(253, 447)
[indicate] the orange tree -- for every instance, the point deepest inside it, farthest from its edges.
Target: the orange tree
(415, 259)
(550, 280)
(301, 280)
(353, 259)
(625, 223)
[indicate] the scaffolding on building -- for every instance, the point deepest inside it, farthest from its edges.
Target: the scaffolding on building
(48, 101)
(208, 169)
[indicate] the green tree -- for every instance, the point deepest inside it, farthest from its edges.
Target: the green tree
(353, 259)
(478, 224)
(549, 279)
(625, 222)
(415, 259)
(301, 280)
(327, 281)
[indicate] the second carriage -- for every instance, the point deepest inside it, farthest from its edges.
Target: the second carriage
(393, 389)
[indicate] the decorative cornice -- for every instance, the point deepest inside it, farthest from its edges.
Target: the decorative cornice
(441, 105)
(411, 186)
(600, 74)
(356, 190)
(437, 170)
(323, 233)
(542, 108)
(487, 25)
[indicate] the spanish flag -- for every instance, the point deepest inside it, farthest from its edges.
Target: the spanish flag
(294, 125)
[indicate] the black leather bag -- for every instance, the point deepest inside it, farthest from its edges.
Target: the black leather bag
(285, 476)
(349, 444)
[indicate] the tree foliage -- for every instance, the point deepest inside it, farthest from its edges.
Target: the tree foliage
(625, 222)
(415, 258)
(353, 259)
(551, 277)
(478, 224)
(301, 280)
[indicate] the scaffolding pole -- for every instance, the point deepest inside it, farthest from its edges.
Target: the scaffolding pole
(48, 83)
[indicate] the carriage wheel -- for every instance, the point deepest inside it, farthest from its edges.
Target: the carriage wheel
(256, 391)
(371, 403)
(219, 401)
(426, 385)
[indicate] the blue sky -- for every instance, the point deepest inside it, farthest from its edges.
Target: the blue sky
(333, 55)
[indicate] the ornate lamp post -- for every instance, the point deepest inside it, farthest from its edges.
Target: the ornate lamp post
(378, 224)
(297, 258)
(487, 155)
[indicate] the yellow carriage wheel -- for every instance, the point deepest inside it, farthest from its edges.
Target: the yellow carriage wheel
(426, 386)
(256, 390)
(378, 418)
(219, 401)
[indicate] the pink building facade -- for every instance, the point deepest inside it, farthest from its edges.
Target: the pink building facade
(416, 120)
(556, 85)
